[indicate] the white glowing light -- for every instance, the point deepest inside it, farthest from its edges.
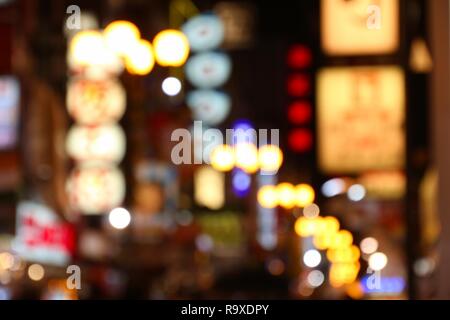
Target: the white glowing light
(333, 187)
(171, 86)
(36, 272)
(356, 192)
(315, 278)
(378, 261)
(369, 245)
(312, 258)
(119, 218)
(311, 211)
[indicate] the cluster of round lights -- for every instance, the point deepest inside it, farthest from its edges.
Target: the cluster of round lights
(338, 243)
(337, 186)
(248, 157)
(285, 195)
(121, 40)
(377, 260)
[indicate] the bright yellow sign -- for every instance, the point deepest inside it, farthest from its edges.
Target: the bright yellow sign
(359, 27)
(361, 114)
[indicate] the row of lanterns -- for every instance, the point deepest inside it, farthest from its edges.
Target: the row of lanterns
(96, 101)
(208, 69)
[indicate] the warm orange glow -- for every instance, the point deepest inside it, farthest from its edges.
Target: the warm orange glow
(341, 239)
(359, 27)
(140, 60)
(355, 291)
(304, 195)
(323, 241)
(209, 188)
(286, 195)
(171, 48)
(270, 158)
(268, 197)
(360, 113)
(121, 37)
(343, 273)
(247, 157)
(344, 255)
(223, 158)
(306, 227)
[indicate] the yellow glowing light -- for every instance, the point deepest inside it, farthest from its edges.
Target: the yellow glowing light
(306, 227)
(121, 37)
(286, 195)
(247, 157)
(344, 255)
(360, 27)
(270, 158)
(171, 48)
(343, 273)
(36, 272)
(223, 158)
(331, 225)
(304, 195)
(341, 239)
(268, 197)
(323, 241)
(355, 291)
(6, 260)
(375, 98)
(209, 188)
(140, 60)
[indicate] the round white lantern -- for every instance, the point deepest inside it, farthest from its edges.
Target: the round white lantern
(204, 32)
(93, 102)
(208, 70)
(209, 106)
(94, 188)
(96, 143)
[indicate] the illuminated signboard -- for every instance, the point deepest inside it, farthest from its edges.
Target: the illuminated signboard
(41, 236)
(360, 115)
(9, 107)
(359, 27)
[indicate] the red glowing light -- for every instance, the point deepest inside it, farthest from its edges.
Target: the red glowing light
(298, 85)
(300, 140)
(299, 57)
(300, 112)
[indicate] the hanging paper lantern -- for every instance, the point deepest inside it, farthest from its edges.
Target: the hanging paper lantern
(96, 143)
(171, 48)
(92, 102)
(95, 188)
(209, 106)
(208, 70)
(204, 32)
(88, 53)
